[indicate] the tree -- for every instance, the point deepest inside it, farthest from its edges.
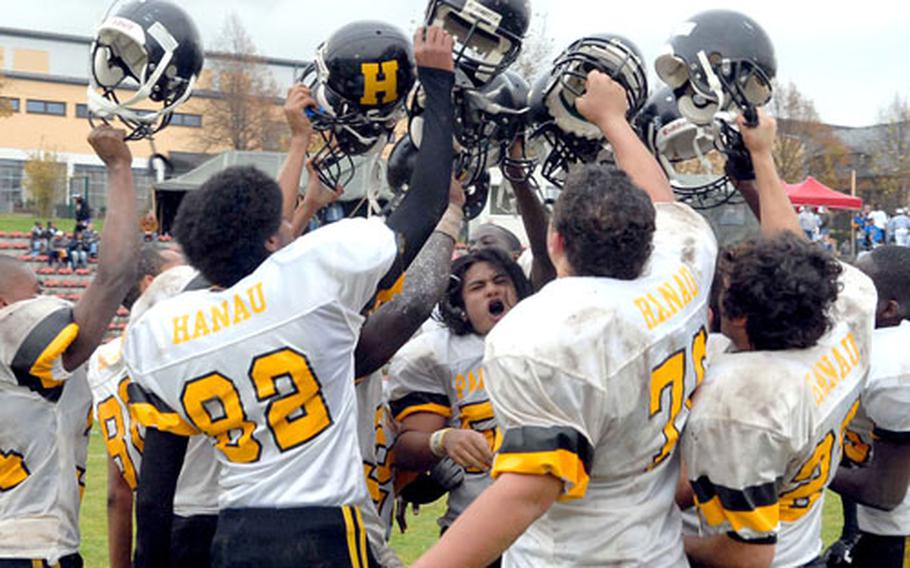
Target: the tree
(242, 113)
(45, 176)
(890, 151)
(537, 50)
(804, 144)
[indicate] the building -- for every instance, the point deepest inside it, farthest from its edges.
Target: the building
(45, 77)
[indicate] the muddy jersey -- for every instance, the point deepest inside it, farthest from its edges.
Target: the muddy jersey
(45, 418)
(590, 380)
(884, 414)
(265, 368)
(442, 373)
(765, 436)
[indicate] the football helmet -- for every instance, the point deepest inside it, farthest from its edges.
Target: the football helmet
(717, 59)
(400, 167)
(360, 79)
(487, 33)
(150, 45)
(689, 154)
(569, 136)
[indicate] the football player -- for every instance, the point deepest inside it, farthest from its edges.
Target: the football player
(45, 402)
(262, 363)
(591, 408)
(196, 500)
(436, 382)
(877, 440)
(765, 434)
(388, 326)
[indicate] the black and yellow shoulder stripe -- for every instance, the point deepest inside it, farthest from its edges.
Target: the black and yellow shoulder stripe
(420, 402)
(559, 451)
(33, 363)
(152, 412)
(753, 508)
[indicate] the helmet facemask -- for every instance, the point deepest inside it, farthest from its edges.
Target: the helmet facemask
(124, 54)
(482, 48)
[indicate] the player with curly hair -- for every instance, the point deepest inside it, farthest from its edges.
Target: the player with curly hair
(765, 434)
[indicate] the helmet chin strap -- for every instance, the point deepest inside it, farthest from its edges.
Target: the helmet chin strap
(701, 134)
(713, 81)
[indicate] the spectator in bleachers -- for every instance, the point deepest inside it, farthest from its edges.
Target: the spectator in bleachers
(77, 251)
(91, 237)
(57, 247)
(38, 242)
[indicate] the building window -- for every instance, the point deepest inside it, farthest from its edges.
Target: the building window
(45, 107)
(10, 184)
(183, 119)
(81, 111)
(13, 103)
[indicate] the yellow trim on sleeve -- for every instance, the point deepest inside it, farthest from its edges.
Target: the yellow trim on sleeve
(351, 534)
(559, 463)
(430, 407)
(386, 296)
(151, 417)
(44, 365)
(761, 519)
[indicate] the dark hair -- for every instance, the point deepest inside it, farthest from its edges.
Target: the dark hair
(451, 307)
(784, 285)
(149, 264)
(511, 238)
(889, 268)
(606, 222)
(222, 227)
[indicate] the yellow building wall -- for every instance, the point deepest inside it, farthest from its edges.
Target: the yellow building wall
(68, 134)
(31, 60)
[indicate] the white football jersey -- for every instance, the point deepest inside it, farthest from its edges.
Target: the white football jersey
(590, 380)
(442, 373)
(884, 413)
(376, 435)
(765, 437)
(197, 486)
(266, 368)
(45, 418)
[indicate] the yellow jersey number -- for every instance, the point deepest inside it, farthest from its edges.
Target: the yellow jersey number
(213, 404)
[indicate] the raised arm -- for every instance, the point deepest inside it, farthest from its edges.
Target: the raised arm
(414, 219)
(775, 210)
(317, 196)
(604, 104)
(117, 256)
(535, 218)
(392, 325)
(299, 98)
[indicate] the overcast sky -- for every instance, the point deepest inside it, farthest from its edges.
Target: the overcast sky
(850, 58)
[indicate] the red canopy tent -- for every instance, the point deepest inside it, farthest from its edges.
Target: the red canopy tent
(813, 192)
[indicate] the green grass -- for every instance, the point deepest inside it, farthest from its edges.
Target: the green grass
(24, 222)
(422, 528)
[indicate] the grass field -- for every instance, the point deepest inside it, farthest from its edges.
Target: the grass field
(25, 222)
(422, 529)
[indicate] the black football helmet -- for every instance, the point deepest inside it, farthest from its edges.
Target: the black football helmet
(487, 33)
(400, 166)
(570, 137)
(361, 79)
(717, 59)
(151, 45)
(690, 154)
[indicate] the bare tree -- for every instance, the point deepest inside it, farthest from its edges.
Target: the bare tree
(45, 176)
(242, 113)
(804, 144)
(537, 50)
(891, 151)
